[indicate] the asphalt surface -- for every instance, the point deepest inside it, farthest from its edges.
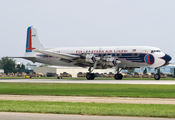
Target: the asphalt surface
(152, 82)
(37, 116)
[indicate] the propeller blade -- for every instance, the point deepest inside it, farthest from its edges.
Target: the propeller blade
(95, 64)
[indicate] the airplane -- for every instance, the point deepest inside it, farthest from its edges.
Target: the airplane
(120, 57)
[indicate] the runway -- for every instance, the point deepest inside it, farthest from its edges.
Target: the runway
(148, 82)
(37, 116)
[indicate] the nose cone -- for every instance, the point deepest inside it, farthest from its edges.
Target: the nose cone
(167, 58)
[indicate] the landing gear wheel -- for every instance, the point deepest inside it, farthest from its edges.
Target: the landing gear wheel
(118, 76)
(90, 76)
(157, 76)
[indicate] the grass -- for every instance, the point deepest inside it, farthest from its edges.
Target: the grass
(83, 78)
(146, 110)
(108, 90)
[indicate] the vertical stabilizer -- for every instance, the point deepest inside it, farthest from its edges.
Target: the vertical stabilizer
(32, 41)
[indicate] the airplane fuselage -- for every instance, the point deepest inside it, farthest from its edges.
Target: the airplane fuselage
(130, 56)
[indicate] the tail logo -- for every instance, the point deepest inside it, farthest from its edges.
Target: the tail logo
(29, 40)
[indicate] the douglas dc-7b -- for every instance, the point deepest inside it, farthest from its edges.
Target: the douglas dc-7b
(120, 57)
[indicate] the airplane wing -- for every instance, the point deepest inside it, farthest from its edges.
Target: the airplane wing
(58, 55)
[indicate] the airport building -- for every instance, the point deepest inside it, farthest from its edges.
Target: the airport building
(72, 70)
(75, 70)
(1, 70)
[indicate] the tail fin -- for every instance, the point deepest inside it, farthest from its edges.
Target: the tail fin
(32, 41)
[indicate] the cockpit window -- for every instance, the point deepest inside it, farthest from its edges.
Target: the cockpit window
(153, 51)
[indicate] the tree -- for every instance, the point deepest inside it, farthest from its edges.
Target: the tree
(22, 67)
(158, 71)
(18, 68)
(3, 61)
(28, 64)
(145, 71)
(7, 64)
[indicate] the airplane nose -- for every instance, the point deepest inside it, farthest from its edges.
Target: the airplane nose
(167, 58)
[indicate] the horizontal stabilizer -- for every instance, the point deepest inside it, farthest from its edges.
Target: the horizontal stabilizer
(25, 57)
(58, 55)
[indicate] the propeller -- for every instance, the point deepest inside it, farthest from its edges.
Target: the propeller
(96, 60)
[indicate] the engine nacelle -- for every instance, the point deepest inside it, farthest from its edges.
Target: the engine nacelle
(91, 58)
(111, 61)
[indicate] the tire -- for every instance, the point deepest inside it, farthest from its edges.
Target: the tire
(121, 76)
(118, 76)
(90, 76)
(157, 76)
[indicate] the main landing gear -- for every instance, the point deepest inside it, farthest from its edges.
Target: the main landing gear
(89, 75)
(118, 75)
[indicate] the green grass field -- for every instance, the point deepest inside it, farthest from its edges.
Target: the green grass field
(146, 110)
(112, 90)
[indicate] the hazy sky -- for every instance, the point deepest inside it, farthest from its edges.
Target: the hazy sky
(74, 23)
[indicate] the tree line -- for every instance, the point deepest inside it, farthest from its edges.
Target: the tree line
(8, 64)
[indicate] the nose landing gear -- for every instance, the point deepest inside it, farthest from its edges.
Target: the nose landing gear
(156, 75)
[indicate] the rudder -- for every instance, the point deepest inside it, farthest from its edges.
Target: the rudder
(32, 41)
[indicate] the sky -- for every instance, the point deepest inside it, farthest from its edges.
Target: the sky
(77, 23)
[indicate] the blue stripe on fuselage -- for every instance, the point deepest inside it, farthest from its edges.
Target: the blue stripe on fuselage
(133, 57)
